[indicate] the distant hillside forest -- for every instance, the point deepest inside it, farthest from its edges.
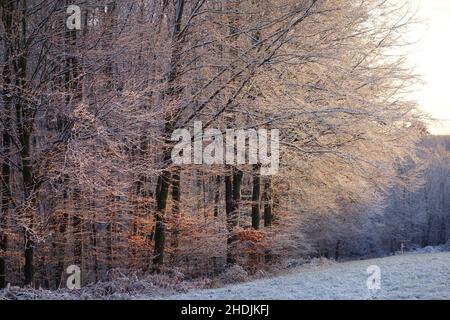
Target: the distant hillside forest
(421, 216)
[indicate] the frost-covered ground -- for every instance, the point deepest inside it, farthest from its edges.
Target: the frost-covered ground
(421, 275)
(409, 276)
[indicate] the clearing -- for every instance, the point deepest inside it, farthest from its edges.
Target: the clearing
(409, 276)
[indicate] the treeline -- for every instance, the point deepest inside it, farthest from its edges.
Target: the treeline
(413, 213)
(421, 216)
(87, 118)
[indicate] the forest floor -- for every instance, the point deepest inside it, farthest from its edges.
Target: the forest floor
(407, 276)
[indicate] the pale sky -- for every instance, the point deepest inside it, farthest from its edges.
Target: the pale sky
(432, 58)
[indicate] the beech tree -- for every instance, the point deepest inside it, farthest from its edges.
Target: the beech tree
(88, 117)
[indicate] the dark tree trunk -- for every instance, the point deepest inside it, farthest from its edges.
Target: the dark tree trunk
(24, 116)
(94, 252)
(78, 240)
(256, 195)
(3, 249)
(60, 251)
(233, 186)
(338, 248)
(6, 141)
(163, 184)
(176, 192)
(77, 225)
(229, 211)
(217, 196)
(4, 209)
(268, 216)
(162, 192)
(228, 195)
(176, 198)
(237, 184)
(24, 134)
(110, 241)
(73, 85)
(15, 23)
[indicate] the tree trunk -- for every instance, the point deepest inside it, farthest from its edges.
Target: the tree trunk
(176, 198)
(94, 248)
(234, 188)
(110, 241)
(217, 196)
(228, 195)
(24, 134)
(61, 227)
(337, 251)
(162, 192)
(77, 225)
(15, 24)
(256, 195)
(6, 141)
(24, 117)
(268, 216)
(4, 209)
(162, 187)
(237, 184)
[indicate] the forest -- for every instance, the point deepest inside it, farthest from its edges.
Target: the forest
(92, 92)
